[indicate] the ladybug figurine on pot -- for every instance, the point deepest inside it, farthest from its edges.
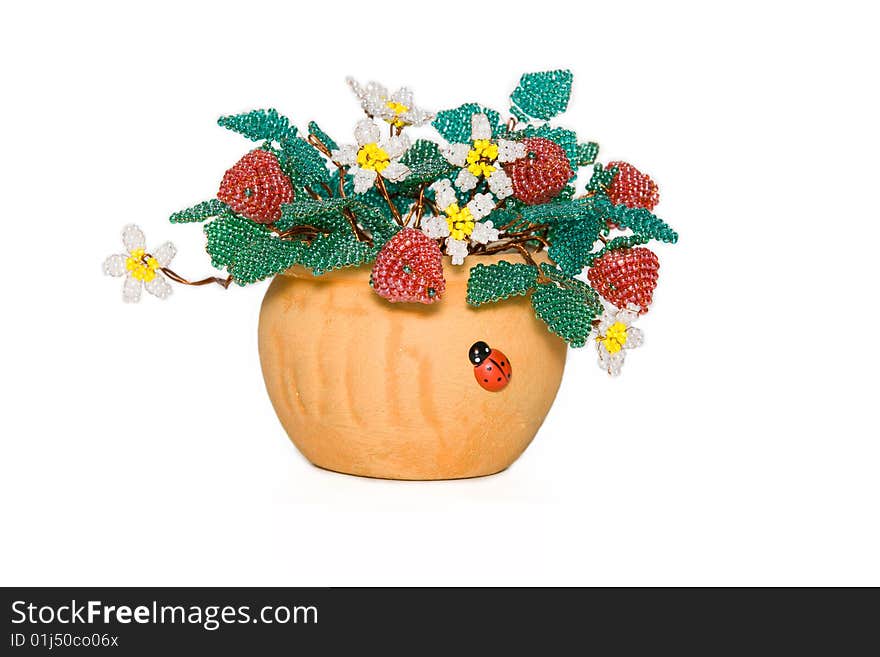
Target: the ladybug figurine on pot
(492, 368)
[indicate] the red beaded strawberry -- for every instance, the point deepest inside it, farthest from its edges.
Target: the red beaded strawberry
(541, 174)
(256, 187)
(625, 276)
(632, 188)
(409, 268)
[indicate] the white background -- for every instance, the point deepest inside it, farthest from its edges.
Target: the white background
(740, 446)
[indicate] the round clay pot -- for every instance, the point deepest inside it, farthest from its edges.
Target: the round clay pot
(367, 387)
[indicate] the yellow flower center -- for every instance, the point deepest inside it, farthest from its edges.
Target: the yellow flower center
(614, 338)
(398, 109)
(481, 158)
(372, 157)
(143, 267)
(460, 221)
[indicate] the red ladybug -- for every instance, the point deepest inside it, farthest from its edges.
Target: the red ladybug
(491, 367)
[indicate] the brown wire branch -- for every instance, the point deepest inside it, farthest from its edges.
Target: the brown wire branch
(177, 278)
(506, 245)
(320, 145)
(417, 208)
(510, 223)
(524, 252)
(383, 190)
(305, 232)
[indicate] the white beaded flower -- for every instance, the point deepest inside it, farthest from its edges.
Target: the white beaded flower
(616, 335)
(460, 226)
(141, 269)
(481, 159)
(370, 159)
(397, 109)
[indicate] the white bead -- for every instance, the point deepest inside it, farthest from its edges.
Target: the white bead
(396, 146)
(366, 132)
(484, 233)
(465, 180)
(500, 184)
(363, 179)
(634, 338)
(115, 265)
(456, 154)
(508, 151)
(435, 227)
(131, 290)
(395, 172)
(346, 156)
(164, 254)
(480, 127)
(481, 205)
(404, 96)
(133, 238)
(158, 287)
(458, 249)
(444, 195)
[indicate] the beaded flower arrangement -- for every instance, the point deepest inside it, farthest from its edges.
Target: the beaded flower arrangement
(485, 187)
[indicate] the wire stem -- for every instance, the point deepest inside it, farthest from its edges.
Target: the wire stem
(380, 185)
(177, 278)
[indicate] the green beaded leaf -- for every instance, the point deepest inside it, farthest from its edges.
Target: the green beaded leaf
(314, 129)
(325, 214)
(426, 164)
(199, 212)
(263, 257)
(519, 115)
(574, 227)
(490, 283)
(571, 245)
(328, 214)
(338, 249)
(227, 235)
(455, 124)
(620, 242)
(641, 221)
(563, 279)
(543, 95)
(510, 216)
(247, 250)
(303, 163)
(568, 311)
(601, 179)
(259, 125)
(251, 252)
(587, 153)
(557, 212)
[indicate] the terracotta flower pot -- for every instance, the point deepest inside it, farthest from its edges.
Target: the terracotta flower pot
(370, 388)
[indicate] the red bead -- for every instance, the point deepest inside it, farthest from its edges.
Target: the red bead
(409, 268)
(541, 174)
(256, 187)
(625, 276)
(632, 188)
